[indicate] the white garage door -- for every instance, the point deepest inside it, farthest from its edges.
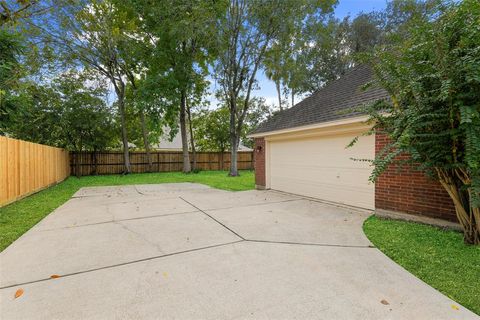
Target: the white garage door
(321, 167)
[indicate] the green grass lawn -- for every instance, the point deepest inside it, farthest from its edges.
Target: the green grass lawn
(20, 216)
(438, 257)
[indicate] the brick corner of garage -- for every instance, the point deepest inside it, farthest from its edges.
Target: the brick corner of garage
(259, 163)
(410, 191)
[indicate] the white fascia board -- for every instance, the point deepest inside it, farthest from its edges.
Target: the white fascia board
(310, 127)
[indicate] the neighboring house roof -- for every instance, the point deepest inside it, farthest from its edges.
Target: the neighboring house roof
(327, 103)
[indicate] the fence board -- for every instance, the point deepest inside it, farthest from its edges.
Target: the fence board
(27, 167)
(84, 164)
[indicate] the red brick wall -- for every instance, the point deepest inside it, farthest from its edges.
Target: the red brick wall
(409, 190)
(259, 158)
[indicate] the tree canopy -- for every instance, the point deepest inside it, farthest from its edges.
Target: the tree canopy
(433, 78)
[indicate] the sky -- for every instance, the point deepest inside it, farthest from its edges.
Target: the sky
(344, 8)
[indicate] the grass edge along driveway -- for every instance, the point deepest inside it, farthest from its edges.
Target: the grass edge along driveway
(437, 257)
(18, 217)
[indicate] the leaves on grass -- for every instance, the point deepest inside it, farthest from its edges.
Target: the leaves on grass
(18, 293)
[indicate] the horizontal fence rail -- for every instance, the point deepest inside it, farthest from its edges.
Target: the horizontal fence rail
(27, 167)
(93, 163)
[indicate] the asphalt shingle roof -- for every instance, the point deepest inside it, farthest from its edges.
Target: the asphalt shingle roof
(327, 103)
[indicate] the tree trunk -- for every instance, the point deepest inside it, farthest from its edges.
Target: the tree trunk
(146, 145)
(293, 97)
(233, 142)
(279, 94)
(192, 140)
(233, 159)
(126, 155)
(183, 130)
(468, 216)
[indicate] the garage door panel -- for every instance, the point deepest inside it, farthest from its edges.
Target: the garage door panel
(352, 186)
(330, 192)
(323, 168)
(333, 175)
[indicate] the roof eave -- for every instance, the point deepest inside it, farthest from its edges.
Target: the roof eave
(357, 119)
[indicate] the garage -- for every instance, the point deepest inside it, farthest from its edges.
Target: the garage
(321, 167)
(303, 149)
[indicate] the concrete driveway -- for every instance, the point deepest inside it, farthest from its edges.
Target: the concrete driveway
(187, 251)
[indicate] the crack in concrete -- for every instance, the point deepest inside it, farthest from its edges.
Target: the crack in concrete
(139, 192)
(252, 205)
(119, 220)
(141, 236)
(211, 217)
(121, 264)
(179, 253)
(272, 241)
(312, 244)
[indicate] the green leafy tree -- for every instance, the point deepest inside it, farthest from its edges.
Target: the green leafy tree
(14, 10)
(82, 119)
(400, 15)
(147, 116)
(20, 60)
(258, 112)
(365, 33)
(248, 29)
(70, 113)
(433, 79)
(212, 129)
(324, 47)
(182, 36)
(285, 62)
(325, 54)
(11, 72)
(94, 34)
(31, 118)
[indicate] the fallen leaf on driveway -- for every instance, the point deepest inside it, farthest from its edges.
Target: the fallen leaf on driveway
(385, 302)
(18, 293)
(54, 276)
(454, 307)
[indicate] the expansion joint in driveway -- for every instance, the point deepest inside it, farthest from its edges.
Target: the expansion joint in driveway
(119, 220)
(310, 244)
(220, 223)
(122, 264)
(255, 204)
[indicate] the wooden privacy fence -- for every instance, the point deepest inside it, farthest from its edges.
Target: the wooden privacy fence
(27, 167)
(92, 163)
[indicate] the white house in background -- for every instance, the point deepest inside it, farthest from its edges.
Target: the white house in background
(176, 143)
(166, 144)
